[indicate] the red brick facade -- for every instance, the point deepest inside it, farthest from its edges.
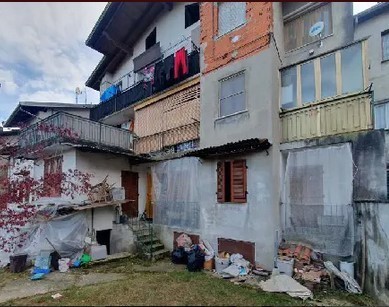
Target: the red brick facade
(251, 37)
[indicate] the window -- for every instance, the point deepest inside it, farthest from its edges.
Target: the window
(328, 76)
(232, 181)
(308, 82)
(381, 116)
(151, 40)
(296, 30)
(192, 14)
(289, 88)
(352, 79)
(53, 176)
(385, 45)
(230, 16)
(338, 73)
(232, 94)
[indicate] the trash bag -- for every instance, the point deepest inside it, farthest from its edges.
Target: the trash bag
(196, 260)
(179, 256)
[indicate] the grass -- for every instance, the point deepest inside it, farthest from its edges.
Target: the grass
(178, 287)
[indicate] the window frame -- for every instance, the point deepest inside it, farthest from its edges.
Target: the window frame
(220, 81)
(384, 33)
(317, 76)
(233, 198)
(218, 35)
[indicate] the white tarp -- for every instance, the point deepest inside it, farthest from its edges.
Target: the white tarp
(66, 233)
(317, 198)
(175, 193)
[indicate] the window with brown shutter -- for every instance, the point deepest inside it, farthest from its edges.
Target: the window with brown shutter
(52, 179)
(232, 181)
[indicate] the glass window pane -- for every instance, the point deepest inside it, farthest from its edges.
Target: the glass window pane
(385, 46)
(231, 86)
(379, 116)
(328, 76)
(232, 104)
(289, 88)
(308, 82)
(352, 78)
(231, 16)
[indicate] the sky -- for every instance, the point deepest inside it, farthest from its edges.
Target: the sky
(43, 56)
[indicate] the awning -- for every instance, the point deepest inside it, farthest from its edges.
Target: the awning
(239, 147)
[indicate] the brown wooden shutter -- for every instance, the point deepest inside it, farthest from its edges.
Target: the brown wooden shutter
(221, 182)
(239, 181)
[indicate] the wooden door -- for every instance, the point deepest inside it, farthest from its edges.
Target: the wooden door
(149, 197)
(130, 185)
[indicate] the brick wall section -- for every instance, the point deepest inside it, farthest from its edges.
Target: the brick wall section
(251, 37)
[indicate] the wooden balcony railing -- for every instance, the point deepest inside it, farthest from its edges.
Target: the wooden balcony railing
(64, 127)
(342, 115)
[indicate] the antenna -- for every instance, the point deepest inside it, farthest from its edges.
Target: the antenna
(78, 92)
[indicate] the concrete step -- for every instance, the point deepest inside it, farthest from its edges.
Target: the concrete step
(158, 254)
(147, 240)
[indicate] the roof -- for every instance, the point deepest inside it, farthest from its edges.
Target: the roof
(115, 33)
(239, 147)
(27, 109)
(374, 11)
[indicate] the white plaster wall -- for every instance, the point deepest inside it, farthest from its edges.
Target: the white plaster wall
(256, 221)
(170, 31)
(378, 70)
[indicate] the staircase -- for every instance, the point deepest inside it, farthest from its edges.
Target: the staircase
(147, 243)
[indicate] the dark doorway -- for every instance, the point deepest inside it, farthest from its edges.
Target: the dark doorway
(103, 237)
(130, 185)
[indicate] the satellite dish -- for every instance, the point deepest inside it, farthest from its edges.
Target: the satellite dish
(316, 29)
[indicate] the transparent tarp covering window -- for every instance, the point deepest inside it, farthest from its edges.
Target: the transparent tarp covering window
(308, 82)
(352, 75)
(317, 198)
(175, 193)
(231, 16)
(289, 88)
(328, 76)
(232, 94)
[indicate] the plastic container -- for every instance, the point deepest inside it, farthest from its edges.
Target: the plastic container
(98, 252)
(43, 260)
(221, 264)
(347, 267)
(285, 266)
(17, 263)
(63, 264)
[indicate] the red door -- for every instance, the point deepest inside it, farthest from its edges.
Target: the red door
(130, 185)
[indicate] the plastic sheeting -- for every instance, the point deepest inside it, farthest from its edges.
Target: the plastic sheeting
(66, 233)
(317, 198)
(175, 193)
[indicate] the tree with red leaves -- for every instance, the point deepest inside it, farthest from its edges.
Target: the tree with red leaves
(19, 189)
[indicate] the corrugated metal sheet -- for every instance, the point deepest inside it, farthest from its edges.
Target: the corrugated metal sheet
(350, 114)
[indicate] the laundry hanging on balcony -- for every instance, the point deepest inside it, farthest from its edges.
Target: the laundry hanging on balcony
(181, 67)
(109, 93)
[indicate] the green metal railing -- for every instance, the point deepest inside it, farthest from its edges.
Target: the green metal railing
(145, 236)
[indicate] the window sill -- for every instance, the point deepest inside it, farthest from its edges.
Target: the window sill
(231, 203)
(231, 115)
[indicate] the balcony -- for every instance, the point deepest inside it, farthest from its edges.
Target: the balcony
(66, 128)
(342, 115)
(140, 91)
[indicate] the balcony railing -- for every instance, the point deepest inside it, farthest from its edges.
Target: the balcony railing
(140, 91)
(67, 128)
(341, 115)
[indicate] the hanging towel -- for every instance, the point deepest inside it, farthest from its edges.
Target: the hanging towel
(180, 63)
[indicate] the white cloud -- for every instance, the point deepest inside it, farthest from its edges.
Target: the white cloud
(7, 83)
(43, 53)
